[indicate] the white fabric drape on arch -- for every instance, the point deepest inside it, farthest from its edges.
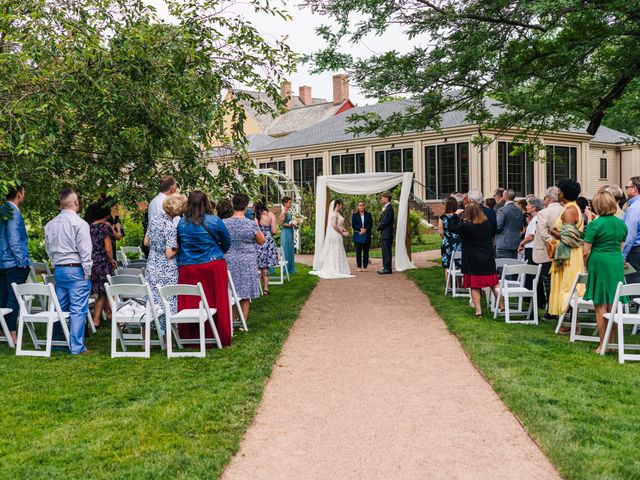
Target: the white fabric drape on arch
(365, 184)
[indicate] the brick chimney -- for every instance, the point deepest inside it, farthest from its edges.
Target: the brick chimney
(340, 88)
(304, 93)
(285, 92)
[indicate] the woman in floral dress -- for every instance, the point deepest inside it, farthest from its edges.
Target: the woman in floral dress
(450, 241)
(162, 240)
(242, 259)
(268, 251)
(102, 255)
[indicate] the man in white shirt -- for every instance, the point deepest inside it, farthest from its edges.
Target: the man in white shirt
(168, 186)
(68, 243)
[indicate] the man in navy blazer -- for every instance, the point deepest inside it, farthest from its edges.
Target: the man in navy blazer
(385, 228)
(510, 222)
(362, 223)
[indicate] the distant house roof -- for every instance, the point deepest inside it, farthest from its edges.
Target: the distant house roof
(334, 128)
(265, 121)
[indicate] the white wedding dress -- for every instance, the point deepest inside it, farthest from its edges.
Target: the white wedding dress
(333, 260)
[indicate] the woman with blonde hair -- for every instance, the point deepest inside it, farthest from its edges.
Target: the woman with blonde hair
(603, 243)
(162, 240)
(478, 258)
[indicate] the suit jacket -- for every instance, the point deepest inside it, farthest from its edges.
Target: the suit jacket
(510, 221)
(491, 215)
(356, 224)
(387, 219)
(546, 221)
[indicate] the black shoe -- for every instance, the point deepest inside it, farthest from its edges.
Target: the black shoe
(548, 316)
(384, 272)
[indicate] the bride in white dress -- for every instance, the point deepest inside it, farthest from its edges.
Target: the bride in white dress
(333, 259)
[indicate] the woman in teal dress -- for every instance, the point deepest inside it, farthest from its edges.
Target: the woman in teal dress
(602, 248)
(286, 235)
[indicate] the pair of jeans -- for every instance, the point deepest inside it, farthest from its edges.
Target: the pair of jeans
(385, 245)
(362, 254)
(73, 292)
(8, 299)
(633, 259)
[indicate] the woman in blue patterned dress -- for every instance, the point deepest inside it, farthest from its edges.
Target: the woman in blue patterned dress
(286, 236)
(450, 241)
(162, 240)
(267, 252)
(242, 258)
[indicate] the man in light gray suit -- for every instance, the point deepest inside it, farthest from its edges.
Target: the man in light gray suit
(546, 221)
(509, 222)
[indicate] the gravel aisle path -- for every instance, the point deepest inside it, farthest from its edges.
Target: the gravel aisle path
(371, 385)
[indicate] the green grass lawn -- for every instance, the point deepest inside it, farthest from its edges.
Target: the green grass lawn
(429, 241)
(583, 410)
(94, 417)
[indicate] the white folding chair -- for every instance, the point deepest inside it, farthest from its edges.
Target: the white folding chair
(620, 317)
(6, 334)
(578, 306)
(122, 259)
(509, 290)
(49, 317)
(141, 264)
(134, 250)
(453, 275)
(129, 271)
(200, 316)
(235, 301)
(50, 279)
(132, 305)
(284, 269)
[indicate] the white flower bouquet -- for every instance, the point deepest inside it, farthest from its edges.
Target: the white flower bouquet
(297, 219)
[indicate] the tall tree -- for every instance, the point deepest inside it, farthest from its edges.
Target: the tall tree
(552, 64)
(102, 95)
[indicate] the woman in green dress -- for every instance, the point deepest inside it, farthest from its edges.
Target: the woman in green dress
(602, 248)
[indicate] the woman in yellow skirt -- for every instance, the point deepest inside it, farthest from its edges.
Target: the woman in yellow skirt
(568, 260)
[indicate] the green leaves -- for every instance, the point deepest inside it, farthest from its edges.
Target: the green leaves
(552, 65)
(102, 96)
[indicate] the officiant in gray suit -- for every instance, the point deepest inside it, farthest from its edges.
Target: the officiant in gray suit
(509, 221)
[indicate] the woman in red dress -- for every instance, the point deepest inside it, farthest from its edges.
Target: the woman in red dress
(203, 240)
(478, 259)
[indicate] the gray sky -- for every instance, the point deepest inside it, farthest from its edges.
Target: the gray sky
(303, 39)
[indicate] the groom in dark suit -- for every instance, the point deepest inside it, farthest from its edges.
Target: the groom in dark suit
(362, 223)
(385, 227)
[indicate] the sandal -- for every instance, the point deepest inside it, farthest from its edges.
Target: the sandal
(266, 292)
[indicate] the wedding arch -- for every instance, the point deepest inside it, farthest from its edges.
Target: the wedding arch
(367, 184)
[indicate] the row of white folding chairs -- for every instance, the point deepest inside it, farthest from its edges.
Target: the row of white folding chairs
(123, 258)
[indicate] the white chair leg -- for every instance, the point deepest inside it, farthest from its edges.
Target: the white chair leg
(507, 319)
(203, 351)
(169, 328)
(32, 334)
(147, 338)
(92, 327)
(574, 321)
(20, 336)
(534, 301)
(620, 342)
(607, 334)
(47, 349)
(496, 306)
(114, 337)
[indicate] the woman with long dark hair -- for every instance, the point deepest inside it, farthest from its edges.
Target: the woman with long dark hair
(450, 241)
(203, 240)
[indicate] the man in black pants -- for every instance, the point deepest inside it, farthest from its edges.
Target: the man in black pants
(385, 227)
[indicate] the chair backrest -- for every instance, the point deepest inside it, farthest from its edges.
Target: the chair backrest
(41, 267)
(457, 255)
(134, 250)
(522, 270)
(117, 293)
(501, 262)
(137, 263)
(46, 279)
(125, 280)
(129, 271)
(41, 290)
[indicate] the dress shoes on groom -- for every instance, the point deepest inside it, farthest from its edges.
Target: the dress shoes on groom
(385, 272)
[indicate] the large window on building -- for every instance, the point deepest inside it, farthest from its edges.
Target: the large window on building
(396, 160)
(515, 170)
(446, 169)
(561, 163)
(347, 163)
(305, 172)
(270, 190)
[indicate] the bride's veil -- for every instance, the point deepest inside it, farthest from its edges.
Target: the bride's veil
(328, 232)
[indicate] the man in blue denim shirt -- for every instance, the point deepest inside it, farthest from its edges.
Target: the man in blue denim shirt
(14, 253)
(631, 217)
